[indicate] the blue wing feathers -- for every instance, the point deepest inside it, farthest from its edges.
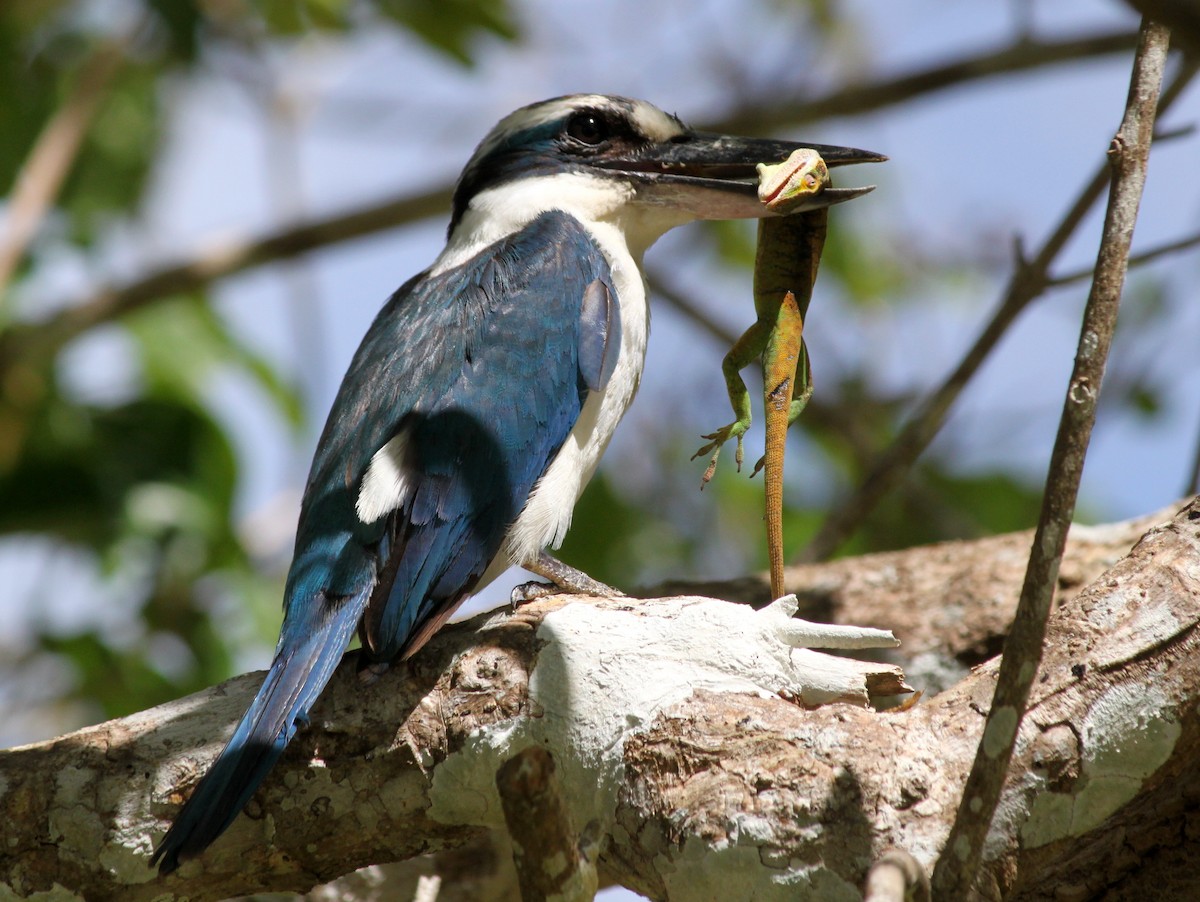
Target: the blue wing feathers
(599, 341)
(486, 366)
(307, 655)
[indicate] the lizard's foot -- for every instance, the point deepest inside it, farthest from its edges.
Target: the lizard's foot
(758, 466)
(716, 440)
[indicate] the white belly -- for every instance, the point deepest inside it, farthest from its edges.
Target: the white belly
(547, 514)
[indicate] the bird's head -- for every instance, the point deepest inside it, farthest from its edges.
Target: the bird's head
(603, 157)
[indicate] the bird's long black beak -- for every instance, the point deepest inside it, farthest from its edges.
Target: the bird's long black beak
(714, 176)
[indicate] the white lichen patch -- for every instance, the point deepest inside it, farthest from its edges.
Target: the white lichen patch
(1139, 626)
(1128, 734)
(464, 785)
(605, 672)
(72, 819)
(127, 845)
(73, 823)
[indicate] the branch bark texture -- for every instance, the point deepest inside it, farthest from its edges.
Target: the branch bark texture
(719, 785)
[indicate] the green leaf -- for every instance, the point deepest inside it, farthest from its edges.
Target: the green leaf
(182, 341)
(452, 25)
(181, 22)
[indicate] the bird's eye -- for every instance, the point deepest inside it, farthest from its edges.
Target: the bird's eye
(587, 128)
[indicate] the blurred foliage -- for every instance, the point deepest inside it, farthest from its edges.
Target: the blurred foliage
(43, 46)
(147, 483)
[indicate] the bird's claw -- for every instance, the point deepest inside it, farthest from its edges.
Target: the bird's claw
(531, 591)
(370, 672)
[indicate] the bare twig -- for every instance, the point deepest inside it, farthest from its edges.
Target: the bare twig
(51, 156)
(1171, 247)
(958, 865)
(1029, 280)
(857, 99)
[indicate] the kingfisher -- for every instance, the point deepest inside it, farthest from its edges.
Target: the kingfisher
(478, 404)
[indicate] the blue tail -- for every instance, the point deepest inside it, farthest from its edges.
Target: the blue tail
(309, 650)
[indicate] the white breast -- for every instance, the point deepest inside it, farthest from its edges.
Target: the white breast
(547, 514)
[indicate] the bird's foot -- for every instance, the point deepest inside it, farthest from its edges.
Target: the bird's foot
(524, 593)
(563, 580)
(734, 430)
(369, 674)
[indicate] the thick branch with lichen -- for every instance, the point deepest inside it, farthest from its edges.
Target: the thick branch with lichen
(719, 781)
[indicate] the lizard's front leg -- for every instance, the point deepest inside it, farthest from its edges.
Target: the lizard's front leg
(748, 348)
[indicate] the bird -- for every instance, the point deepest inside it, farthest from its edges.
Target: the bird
(478, 404)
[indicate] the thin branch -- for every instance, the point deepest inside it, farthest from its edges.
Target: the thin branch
(854, 100)
(54, 152)
(1129, 154)
(1162, 250)
(1029, 281)
(753, 114)
(218, 259)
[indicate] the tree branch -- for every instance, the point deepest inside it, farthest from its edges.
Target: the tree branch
(1019, 56)
(954, 876)
(710, 782)
(371, 793)
(1147, 256)
(50, 159)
